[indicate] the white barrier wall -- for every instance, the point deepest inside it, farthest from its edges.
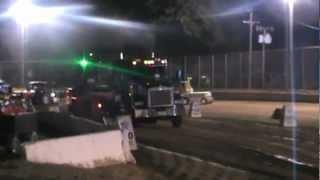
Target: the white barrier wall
(88, 151)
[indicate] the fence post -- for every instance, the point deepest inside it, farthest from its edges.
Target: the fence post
(318, 88)
(240, 71)
(263, 65)
(286, 71)
(185, 67)
(168, 68)
(1, 70)
(199, 73)
(303, 70)
(226, 71)
(212, 71)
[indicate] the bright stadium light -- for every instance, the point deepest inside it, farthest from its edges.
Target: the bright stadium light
(25, 13)
(290, 2)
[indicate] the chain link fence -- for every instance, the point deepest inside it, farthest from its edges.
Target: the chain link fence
(224, 71)
(231, 71)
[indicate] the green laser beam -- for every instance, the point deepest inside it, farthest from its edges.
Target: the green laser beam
(115, 68)
(85, 64)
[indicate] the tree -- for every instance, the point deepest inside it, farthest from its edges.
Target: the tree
(195, 18)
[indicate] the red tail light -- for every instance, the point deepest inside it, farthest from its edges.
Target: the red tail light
(99, 105)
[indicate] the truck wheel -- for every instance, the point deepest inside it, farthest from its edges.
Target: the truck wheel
(106, 121)
(186, 101)
(152, 120)
(14, 146)
(134, 120)
(181, 110)
(176, 122)
(203, 101)
(45, 100)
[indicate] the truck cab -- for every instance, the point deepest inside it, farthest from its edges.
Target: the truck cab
(40, 93)
(150, 94)
(99, 102)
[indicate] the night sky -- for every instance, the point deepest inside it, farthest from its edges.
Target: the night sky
(175, 27)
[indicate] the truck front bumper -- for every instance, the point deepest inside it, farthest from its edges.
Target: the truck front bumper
(209, 99)
(155, 112)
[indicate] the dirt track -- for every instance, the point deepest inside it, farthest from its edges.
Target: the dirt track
(245, 146)
(240, 136)
(243, 136)
(307, 113)
(18, 169)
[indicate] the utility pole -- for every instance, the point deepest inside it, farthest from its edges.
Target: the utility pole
(291, 48)
(264, 59)
(251, 24)
(199, 72)
(185, 67)
(319, 68)
(23, 55)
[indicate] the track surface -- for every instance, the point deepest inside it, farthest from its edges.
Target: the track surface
(308, 113)
(242, 135)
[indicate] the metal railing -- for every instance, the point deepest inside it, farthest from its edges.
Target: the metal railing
(231, 70)
(216, 71)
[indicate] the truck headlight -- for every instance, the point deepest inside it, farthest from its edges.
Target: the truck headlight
(53, 95)
(99, 105)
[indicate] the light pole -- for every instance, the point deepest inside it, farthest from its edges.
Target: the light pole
(291, 55)
(291, 4)
(293, 117)
(291, 46)
(251, 24)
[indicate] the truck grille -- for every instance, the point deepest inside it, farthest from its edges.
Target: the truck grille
(160, 97)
